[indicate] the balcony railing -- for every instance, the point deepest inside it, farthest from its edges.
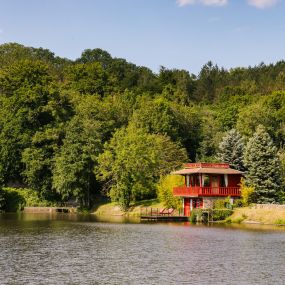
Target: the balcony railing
(205, 191)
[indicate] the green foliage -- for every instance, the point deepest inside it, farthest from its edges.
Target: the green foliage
(15, 199)
(165, 191)
(247, 193)
(221, 214)
(26, 89)
(88, 78)
(196, 216)
(231, 150)
(280, 222)
(57, 115)
(220, 204)
(2, 199)
(133, 161)
(238, 203)
(264, 172)
(238, 220)
(74, 161)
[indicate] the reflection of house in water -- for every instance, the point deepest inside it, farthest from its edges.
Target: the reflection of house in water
(205, 182)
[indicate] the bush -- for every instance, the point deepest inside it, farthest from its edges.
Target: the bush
(222, 203)
(238, 203)
(165, 188)
(15, 199)
(221, 214)
(196, 216)
(247, 193)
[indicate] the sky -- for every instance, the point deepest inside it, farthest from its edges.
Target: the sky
(183, 34)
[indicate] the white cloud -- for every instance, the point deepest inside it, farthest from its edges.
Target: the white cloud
(262, 4)
(182, 3)
(214, 2)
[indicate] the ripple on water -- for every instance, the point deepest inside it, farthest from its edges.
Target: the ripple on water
(70, 251)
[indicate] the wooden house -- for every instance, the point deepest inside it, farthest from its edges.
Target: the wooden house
(205, 182)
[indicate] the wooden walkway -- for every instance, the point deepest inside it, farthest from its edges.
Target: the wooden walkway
(162, 215)
(164, 218)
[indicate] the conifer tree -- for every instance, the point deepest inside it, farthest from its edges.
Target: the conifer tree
(231, 150)
(264, 171)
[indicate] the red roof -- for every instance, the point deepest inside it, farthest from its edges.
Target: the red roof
(209, 168)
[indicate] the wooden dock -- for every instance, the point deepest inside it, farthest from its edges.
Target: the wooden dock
(162, 215)
(154, 218)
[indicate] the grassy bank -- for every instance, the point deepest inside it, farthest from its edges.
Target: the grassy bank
(274, 216)
(112, 209)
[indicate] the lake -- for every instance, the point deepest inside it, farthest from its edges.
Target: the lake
(71, 249)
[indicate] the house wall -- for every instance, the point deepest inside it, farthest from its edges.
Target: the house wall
(208, 202)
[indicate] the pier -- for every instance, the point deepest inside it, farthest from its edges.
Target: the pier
(162, 215)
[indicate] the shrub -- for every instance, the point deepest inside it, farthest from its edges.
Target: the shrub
(221, 214)
(247, 193)
(222, 203)
(165, 188)
(238, 203)
(196, 216)
(15, 199)
(280, 222)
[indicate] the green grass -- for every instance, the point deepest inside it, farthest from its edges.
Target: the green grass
(280, 222)
(112, 209)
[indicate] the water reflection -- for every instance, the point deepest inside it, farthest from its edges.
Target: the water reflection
(71, 249)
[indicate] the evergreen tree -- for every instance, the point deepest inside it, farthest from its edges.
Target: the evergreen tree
(264, 171)
(231, 150)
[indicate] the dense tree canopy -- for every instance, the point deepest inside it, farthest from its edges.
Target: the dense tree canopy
(133, 161)
(69, 129)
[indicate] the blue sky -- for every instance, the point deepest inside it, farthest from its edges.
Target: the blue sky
(182, 34)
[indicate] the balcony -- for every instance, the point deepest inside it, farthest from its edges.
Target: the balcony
(206, 191)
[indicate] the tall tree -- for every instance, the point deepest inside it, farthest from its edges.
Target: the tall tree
(26, 89)
(231, 150)
(133, 161)
(73, 175)
(264, 171)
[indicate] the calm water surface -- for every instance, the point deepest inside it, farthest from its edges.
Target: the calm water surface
(67, 249)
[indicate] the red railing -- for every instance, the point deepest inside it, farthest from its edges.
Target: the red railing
(206, 191)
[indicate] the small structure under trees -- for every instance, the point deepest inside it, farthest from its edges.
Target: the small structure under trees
(206, 182)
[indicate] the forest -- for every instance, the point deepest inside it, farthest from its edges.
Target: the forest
(99, 125)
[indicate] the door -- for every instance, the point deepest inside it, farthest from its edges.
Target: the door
(215, 184)
(187, 207)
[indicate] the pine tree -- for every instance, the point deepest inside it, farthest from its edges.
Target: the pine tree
(264, 171)
(231, 150)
